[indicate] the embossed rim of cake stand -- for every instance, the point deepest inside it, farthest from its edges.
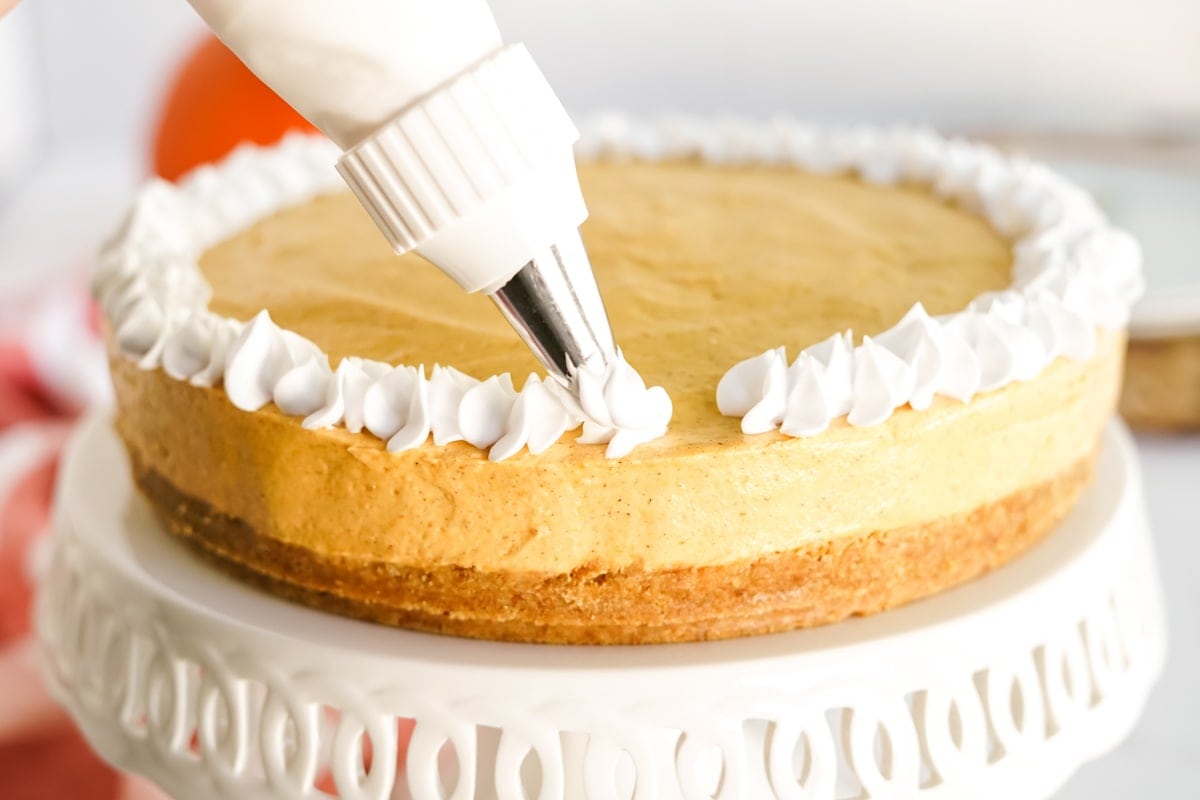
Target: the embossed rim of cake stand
(1000, 688)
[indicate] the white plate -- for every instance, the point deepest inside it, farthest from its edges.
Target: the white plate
(1162, 209)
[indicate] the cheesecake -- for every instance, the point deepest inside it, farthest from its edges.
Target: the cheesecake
(889, 358)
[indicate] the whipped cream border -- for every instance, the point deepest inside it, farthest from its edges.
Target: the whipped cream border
(1072, 272)
(149, 284)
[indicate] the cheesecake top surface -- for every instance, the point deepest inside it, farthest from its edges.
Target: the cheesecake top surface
(700, 266)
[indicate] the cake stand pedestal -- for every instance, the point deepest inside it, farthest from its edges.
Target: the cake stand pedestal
(998, 689)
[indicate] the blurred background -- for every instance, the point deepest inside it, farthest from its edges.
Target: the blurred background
(95, 96)
(87, 81)
(83, 83)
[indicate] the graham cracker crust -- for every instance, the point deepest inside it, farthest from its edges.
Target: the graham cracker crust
(816, 585)
(1162, 384)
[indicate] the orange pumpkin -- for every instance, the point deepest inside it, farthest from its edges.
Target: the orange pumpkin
(214, 104)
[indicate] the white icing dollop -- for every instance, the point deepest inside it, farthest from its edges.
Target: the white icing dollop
(447, 387)
(882, 382)
(942, 362)
(416, 426)
(484, 411)
(753, 390)
(345, 395)
(537, 419)
(821, 386)
(260, 357)
(301, 390)
(616, 407)
(387, 401)
(189, 350)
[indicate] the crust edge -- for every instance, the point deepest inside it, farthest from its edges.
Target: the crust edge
(816, 585)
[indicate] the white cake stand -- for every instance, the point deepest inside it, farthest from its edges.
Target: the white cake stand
(998, 689)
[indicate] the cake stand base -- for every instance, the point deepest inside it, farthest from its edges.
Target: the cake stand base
(997, 689)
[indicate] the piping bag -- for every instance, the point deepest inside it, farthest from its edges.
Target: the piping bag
(453, 142)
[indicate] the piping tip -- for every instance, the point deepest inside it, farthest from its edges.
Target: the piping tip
(554, 304)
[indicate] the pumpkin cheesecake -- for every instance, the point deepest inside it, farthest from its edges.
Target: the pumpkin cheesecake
(348, 429)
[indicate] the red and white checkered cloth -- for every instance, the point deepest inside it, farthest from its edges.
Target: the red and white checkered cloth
(51, 367)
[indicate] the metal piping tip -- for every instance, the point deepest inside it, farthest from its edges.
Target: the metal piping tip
(554, 304)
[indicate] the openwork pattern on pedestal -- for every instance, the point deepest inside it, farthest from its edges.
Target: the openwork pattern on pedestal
(190, 711)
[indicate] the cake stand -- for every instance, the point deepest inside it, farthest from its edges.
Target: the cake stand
(998, 689)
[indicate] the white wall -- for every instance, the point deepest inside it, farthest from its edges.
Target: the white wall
(22, 125)
(104, 64)
(1066, 64)
(964, 63)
